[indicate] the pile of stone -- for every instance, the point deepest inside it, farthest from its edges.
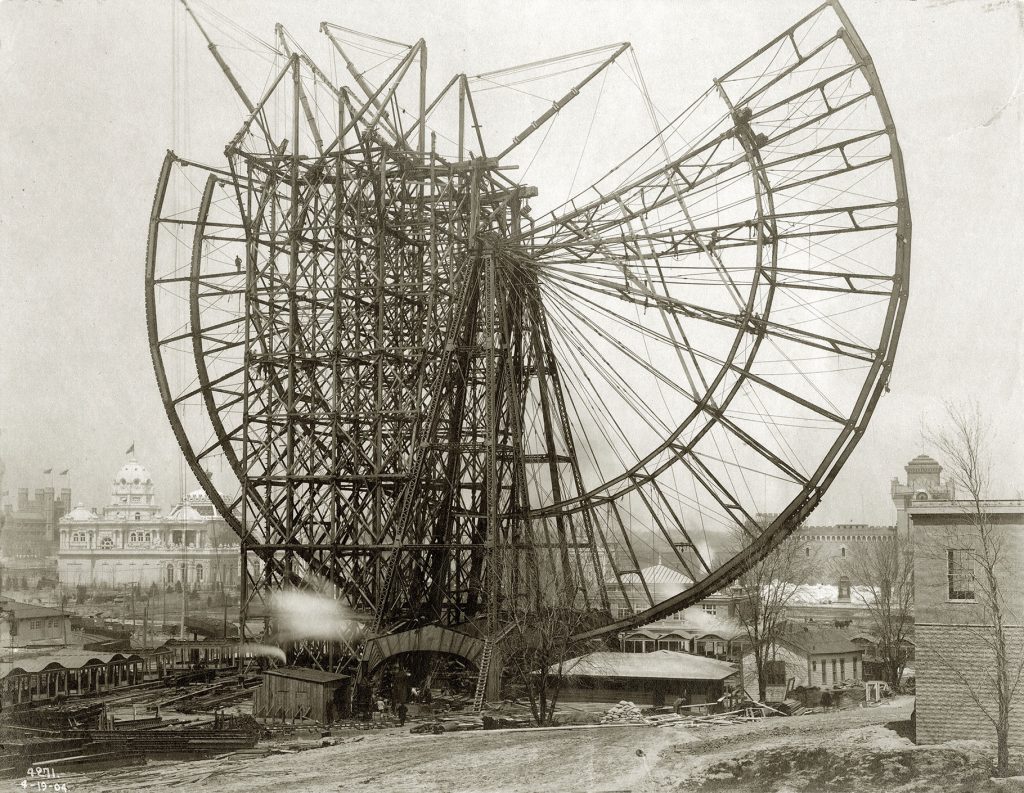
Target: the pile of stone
(624, 713)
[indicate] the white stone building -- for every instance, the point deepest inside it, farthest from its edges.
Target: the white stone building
(130, 542)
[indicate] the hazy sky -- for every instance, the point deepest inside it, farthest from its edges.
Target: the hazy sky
(87, 101)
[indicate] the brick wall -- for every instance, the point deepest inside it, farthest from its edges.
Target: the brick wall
(945, 709)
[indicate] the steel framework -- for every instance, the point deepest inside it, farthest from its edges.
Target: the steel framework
(443, 404)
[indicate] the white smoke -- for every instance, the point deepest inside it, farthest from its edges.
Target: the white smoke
(302, 614)
(265, 650)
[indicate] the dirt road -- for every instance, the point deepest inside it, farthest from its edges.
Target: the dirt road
(618, 758)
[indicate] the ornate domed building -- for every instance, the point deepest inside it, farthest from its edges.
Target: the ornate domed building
(130, 542)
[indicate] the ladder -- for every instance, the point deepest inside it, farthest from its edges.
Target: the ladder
(481, 680)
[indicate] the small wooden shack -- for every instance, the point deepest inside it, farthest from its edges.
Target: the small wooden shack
(292, 693)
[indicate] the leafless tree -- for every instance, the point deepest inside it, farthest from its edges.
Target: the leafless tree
(980, 565)
(883, 574)
(763, 592)
(537, 648)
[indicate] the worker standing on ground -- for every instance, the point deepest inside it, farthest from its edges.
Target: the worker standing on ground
(402, 711)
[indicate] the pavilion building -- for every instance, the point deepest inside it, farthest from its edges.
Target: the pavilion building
(130, 542)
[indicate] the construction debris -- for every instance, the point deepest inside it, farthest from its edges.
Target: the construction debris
(625, 713)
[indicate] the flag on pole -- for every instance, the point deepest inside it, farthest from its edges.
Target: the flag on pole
(65, 472)
(48, 471)
(131, 449)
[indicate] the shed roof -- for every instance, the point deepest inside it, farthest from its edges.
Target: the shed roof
(659, 632)
(70, 661)
(24, 611)
(661, 664)
(818, 640)
(657, 574)
(309, 675)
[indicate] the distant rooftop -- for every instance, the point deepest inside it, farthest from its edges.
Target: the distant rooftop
(662, 664)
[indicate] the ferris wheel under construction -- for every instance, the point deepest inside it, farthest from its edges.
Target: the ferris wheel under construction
(447, 399)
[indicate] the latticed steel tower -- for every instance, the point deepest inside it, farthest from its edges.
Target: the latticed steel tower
(446, 404)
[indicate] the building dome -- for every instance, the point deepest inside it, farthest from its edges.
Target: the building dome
(80, 513)
(924, 463)
(133, 473)
(132, 493)
(197, 496)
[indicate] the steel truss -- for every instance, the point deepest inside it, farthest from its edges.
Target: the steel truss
(442, 406)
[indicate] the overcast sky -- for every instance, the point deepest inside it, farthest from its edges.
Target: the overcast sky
(87, 102)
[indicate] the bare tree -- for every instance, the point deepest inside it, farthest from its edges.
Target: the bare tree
(979, 567)
(538, 647)
(883, 574)
(763, 592)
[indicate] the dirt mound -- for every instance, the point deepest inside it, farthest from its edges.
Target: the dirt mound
(954, 769)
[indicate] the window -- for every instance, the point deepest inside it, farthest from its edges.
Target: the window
(814, 666)
(199, 573)
(824, 674)
(106, 542)
(842, 552)
(35, 625)
(807, 551)
(138, 516)
(842, 669)
(960, 570)
(624, 611)
(834, 670)
(709, 608)
(170, 574)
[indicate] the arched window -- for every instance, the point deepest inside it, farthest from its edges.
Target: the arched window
(842, 552)
(170, 574)
(199, 573)
(132, 537)
(149, 537)
(138, 516)
(106, 542)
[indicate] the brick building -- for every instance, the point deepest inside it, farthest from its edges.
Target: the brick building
(952, 633)
(30, 527)
(924, 483)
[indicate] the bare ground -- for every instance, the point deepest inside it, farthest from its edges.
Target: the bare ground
(839, 751)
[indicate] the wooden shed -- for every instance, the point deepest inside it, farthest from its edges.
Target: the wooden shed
(292, 693)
